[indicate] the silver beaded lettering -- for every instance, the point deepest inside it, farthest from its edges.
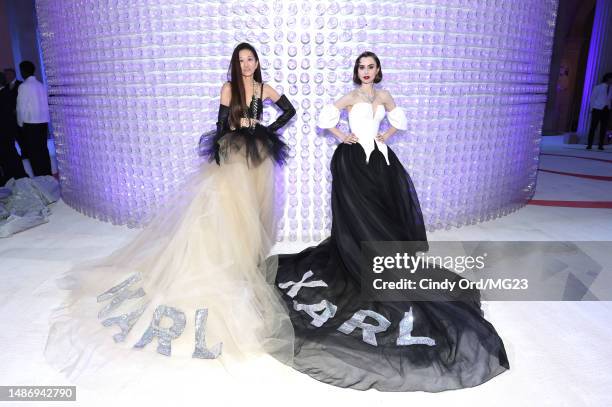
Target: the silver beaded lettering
(405, 335)
(125, 322)
(368, 331)
(164, 335)
(201, 350)
(295, 287)
(118, 299)
(112, 292)
(329, 310)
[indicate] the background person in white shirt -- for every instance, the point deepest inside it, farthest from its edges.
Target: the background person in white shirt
(601, 99)
(33, 118)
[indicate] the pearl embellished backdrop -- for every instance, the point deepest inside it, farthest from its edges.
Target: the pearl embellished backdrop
(134, 83)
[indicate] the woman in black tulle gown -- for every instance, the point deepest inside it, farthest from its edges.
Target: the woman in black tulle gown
(344, 340)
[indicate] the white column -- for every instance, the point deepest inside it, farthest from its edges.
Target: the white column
(600, 59)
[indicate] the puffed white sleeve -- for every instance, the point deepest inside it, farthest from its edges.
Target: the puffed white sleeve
(397, 118)
(329, 117)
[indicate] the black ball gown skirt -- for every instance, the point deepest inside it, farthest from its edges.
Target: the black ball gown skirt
(450, 345)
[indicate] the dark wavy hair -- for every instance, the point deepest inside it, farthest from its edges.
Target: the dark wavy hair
(27, 69)
(366, 54)
(238, 102)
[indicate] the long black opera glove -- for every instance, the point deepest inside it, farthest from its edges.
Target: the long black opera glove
(222, 127)
(288, 113)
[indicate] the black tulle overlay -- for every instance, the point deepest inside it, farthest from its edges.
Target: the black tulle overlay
(257, 143)
(450, 344)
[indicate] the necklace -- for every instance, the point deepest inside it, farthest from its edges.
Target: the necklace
(247, 106)
(252, 107)
(369, 98)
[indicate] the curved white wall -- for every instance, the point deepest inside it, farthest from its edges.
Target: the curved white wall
(134, 84)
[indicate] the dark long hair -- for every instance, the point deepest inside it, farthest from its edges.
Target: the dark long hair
(238, 102)
(366, 54)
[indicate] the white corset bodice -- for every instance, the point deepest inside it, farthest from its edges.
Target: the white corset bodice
(364, 123)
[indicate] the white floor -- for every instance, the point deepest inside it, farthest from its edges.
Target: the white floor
(560, 353)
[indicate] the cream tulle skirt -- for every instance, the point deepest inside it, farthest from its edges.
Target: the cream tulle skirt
(193, 284)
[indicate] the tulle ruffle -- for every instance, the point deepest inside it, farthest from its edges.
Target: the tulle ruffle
(257, 144)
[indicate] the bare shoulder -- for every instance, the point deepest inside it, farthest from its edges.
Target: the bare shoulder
(269, 93)
(386, 99)
(385, 95)
(267, 89)
(226, 87)
(347, 100)
(351, 95)
(226, 93)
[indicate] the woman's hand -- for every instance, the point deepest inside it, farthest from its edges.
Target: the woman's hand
(350, 139)
(382, 137)
(246, 122)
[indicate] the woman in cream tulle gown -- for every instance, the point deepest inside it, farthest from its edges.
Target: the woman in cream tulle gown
(191, 284)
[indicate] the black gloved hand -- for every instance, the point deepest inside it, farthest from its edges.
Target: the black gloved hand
(288, 113)
(222, 126)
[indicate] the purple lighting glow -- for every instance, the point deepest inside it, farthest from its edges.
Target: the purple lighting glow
(134, 84)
